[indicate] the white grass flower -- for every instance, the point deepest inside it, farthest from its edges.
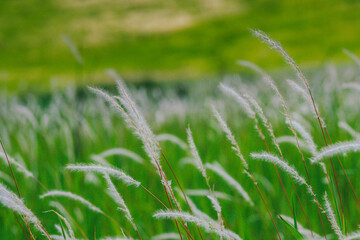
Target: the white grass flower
(216, 205)
(218, 169)
(206, 192)
(306, 136)
(305, 95)
(238, 98)
(331, 216)
(292, 140)
(122, 152)
(196, 155)
(104, 170)
(166, 236)
(230, 136)
(196, 211)
(267, 157)
(68, 226)
(352, 236)
(74, 50)
(344, 125)
(171, 138)
(351, 85)
(12, 201)
(137, 122)
(19, 167)
(70, 195)
(352, 56)
(264, 119)
(334, 149)
(210, 227)
(114, 194)
(253, 67)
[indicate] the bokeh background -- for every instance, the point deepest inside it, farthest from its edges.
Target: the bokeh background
(162, 41)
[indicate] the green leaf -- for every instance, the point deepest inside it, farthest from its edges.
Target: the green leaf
(294, 211)
(339, 216)
(62, 229)
(292, 229)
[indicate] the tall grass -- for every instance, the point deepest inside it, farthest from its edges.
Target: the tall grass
(132, 157)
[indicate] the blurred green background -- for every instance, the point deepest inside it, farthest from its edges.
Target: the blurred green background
(153, 40)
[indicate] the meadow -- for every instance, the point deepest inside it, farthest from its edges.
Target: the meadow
(112, 163)
(161, 41)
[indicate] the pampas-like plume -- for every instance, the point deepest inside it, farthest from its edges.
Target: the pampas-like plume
(116, 238)
(344, 125)
(264, 119)
(351, 85)
(307, 98)
(277, 46)
(341, 147)
(114, 194)
(142, 129)
(304, 94)
(230, 136)
(332, 219)
(12, 201)
(113, 103)
(238, 98)
(56, 193)
(292, 140)
(198, 212)
(171, 138)
(71, 232)
(267, 157)
(137, 122)
(122, 152)
(244, 104)
(74, 50)
(218, 169)
(217, 208)
(352, 56)
(205, 192)
(305, 134)
(19, 167)
(196, 155)
(252, 66)
(166, 236)
(104, 170)
(208, 226)
(352, 236)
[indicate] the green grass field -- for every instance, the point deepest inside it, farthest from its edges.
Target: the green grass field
(45, 134)
(173, 55)
(157, 41)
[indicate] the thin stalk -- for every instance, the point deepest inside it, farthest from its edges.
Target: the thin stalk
(157, 199)
(17, 188)
(302, 209)
(337, 156)
(277, 172)
(263, 200)
(22, 228)
(181, 189)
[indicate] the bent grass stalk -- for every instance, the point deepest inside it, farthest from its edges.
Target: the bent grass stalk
(269, 81)
(268, 126)
(320, 121)
(251, 114)
(17, 188)
(236, 147)
(138, 123)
